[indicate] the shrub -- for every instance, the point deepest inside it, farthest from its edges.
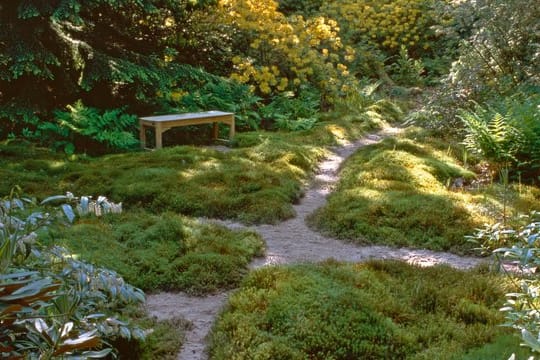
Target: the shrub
(287, 112)
(83, 128)
(501, 52)
(276, 53)
(520, 245)
(50, 303)
(507, 133)
(215, 93)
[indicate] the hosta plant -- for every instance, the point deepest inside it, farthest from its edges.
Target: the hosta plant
(51, 304)
(519, 246)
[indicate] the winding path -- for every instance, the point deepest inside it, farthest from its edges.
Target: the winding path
(291, 242)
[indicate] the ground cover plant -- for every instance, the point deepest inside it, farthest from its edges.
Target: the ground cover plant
(403, 192)
(515, 242)
(372, 310)
(257, 182)
(165, 251)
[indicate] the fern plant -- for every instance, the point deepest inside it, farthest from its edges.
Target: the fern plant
(492, 136)
(80, 123)
(215, 93)
(291, 113)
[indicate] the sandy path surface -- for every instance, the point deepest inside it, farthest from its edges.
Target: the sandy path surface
(290, 242)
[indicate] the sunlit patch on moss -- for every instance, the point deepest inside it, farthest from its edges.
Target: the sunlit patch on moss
(398, 193)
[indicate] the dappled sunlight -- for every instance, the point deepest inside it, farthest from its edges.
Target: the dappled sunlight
(388, 195)
(209, 164)
(55, 165)
(339, 134)
(423, 258)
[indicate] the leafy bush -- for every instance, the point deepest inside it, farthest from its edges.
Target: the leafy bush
(215, 93)
(276, 53)
(50, 303)
(364, 104)
(405, 70)
(374, 310)
(291, 113)
(494, 138)
(54, 53)
(501, 52)
(519, 244)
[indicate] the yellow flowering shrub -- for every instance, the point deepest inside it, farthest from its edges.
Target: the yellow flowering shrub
(386, 24)
(278, 53)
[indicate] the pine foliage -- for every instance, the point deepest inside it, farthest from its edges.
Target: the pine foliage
(108, 53)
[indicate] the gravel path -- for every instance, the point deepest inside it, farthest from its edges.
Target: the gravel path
(290, 242)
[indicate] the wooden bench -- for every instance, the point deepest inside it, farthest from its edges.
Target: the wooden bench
(162, 123)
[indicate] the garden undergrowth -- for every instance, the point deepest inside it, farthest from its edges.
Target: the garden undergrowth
(399, 192)
(372, 310)
(165, 252)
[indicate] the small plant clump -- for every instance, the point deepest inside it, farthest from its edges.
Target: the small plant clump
(515, 247)
(374, 310)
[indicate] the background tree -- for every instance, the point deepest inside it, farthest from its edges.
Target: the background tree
(107, 53)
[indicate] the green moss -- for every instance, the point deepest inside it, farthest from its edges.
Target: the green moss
(375, 310)
(255, 183)
(164, 339)
(166, 252)
(502, 347)
(397, 193)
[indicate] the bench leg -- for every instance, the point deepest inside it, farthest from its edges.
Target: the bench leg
(142, 136)
(159, 137)
(215, 131)
(231, 129)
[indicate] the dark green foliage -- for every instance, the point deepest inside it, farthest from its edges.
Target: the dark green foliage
(287, 113)
(80, 127)
(163, 343)
(109, 54)
(214, 93)
(376, 310)
(303, 7)
(493, 137)
(165, 252)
